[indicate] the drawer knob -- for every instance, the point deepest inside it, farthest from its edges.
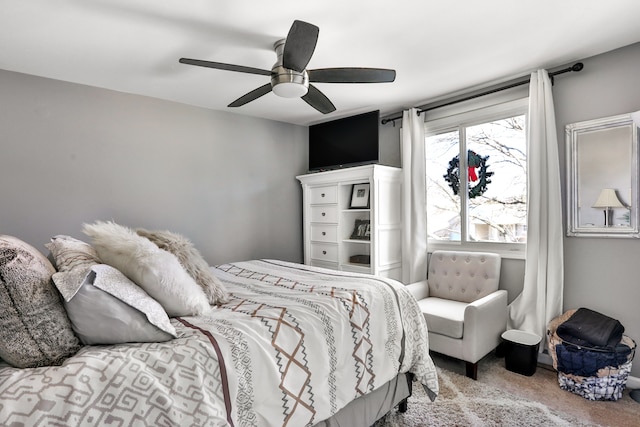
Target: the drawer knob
(324, 233)
(322, 195)
(324, 214)
(324, 252)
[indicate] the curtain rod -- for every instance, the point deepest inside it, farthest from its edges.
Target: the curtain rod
(575, 67)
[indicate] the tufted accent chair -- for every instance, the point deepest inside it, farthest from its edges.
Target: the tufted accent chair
(465, 311)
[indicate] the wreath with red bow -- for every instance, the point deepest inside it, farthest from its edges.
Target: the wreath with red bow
(475, 162)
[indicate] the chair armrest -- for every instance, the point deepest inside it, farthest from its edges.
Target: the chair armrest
(498, 297)
(419, 290)
(484, 322)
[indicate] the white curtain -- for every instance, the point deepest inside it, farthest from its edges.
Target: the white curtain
(541, 297)
(414, 198)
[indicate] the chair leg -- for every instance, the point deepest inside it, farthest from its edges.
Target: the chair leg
(472, 370)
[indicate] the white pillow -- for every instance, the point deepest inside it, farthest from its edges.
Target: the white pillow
(156, 271)
(192, 261)
(108, 308)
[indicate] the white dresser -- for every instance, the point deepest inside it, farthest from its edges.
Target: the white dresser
(331, 238)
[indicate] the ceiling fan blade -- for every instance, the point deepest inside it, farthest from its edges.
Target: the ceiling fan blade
(318, 100)
(299, 45)
(223, 66)
(352, 75)
(251, 96)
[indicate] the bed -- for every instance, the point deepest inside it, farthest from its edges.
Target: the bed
(294, 345)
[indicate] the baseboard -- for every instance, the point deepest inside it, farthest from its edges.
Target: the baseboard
(545, 359)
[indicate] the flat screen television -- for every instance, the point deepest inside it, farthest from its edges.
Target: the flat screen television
(350, 141)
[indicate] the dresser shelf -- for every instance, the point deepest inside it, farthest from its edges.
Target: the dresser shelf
(329, 221)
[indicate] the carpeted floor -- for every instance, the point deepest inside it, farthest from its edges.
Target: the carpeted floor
(504, 398)
(464, 402)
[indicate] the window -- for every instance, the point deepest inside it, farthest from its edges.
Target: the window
(484, 152)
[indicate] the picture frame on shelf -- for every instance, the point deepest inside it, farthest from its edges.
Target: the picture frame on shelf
(360, 196)
(361, 230)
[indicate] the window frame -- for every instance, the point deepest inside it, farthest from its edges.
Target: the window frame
(459, 121)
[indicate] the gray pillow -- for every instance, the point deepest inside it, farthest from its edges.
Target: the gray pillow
(105, 307)
(34, 327)
(191, 260)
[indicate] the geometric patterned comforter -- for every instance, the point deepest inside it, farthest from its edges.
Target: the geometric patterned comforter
(293, 346)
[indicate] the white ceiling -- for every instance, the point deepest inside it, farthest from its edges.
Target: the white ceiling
(437, 47)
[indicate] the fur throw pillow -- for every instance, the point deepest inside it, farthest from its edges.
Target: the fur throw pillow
(192, 261)
(156, 271)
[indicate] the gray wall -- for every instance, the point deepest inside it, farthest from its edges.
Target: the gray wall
(390, 144)
(71, 154)
(602, 274)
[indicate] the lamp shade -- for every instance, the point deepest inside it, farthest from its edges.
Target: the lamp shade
(608, 199)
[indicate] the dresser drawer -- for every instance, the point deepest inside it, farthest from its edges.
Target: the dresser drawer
(324, 233)
(324, 252)
(327, 214)
(323, 195)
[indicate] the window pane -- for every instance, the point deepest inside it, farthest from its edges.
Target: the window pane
(443, 207)
(497, 211)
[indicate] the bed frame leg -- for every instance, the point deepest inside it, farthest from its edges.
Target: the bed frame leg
(403, 406)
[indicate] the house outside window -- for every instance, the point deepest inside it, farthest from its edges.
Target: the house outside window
(483, 151)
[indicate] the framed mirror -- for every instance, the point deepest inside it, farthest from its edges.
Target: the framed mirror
(602, 177)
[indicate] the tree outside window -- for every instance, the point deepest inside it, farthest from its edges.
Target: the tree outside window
(488, 159)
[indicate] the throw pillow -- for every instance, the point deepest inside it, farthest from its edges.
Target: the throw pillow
(69, 253)
(34, 327)
(156, 271)
(108, 308)
(192, 261)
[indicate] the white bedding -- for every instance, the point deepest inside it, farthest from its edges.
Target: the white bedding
(293, 346)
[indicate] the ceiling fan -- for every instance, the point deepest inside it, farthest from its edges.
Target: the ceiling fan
(289, 76)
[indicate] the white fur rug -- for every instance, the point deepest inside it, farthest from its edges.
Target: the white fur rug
(464, 402)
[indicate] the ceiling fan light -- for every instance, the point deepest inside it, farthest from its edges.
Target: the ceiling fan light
(289, 83)
(290, 90)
